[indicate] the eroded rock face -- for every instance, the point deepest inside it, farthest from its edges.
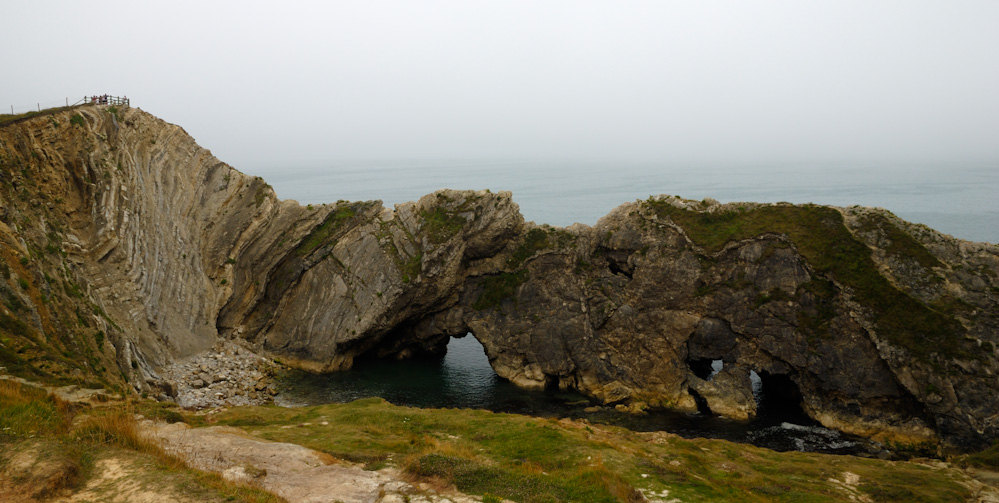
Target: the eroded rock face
(852, 312)
(363, 272)
(877, 326)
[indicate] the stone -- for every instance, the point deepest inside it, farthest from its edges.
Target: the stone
(624, 311)
(728, 394)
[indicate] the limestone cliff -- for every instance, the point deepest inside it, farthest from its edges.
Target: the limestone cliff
(885, 328)
(177, 248)
(118, 224)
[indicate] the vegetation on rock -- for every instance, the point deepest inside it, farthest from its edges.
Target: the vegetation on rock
(531, 460)
(821, 236)
(50, 448)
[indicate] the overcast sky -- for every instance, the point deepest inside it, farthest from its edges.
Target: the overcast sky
(263, 84)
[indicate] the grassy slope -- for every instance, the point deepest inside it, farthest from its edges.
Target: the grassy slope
(542, 460)
(64, 446)
(50, 328)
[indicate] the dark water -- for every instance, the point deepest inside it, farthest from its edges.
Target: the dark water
(464, 379)
(955, 198)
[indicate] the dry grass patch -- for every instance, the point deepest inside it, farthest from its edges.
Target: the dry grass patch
(528, 459)
(48, 448)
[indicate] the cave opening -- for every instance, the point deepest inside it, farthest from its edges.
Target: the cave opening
(778, 398)
(705, 368)
(618, 269)
(465, 358)
(551, 384)
(702, 404)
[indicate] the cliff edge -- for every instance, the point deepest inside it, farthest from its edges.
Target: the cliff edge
(126, 246)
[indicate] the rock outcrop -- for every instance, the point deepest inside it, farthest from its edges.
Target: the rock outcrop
(116, 219)
(877, 326)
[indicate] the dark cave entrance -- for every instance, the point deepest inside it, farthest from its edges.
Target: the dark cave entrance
(705, 368)
(778, 399)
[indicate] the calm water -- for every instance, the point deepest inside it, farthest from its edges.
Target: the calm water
(961, 200)
(958, 200)
(464, 379)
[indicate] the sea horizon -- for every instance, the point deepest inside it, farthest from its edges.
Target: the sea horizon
(958, 199)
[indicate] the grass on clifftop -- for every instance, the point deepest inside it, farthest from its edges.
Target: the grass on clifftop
(502, 286)
(442, 224)
(821, 236)
(331, 225)
(10, 119)
(535, 460)
(49, 447)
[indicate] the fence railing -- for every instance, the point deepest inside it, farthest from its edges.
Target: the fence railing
(86, 100)
(104, 100)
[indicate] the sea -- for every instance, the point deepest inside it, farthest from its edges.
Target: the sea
(960, 199)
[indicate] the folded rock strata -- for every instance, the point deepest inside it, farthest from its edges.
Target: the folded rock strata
(877, 326)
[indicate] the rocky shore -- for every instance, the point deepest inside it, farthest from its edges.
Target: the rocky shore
(229, 374)
(128, 247)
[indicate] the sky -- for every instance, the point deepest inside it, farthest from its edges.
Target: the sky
(265, 84)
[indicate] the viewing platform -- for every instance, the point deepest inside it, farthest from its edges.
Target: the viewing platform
(24, 112)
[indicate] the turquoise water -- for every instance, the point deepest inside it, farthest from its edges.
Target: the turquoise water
(961, 201)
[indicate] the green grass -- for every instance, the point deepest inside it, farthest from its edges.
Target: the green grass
(821, 236)
(323, 233)
(440, 224)
(527, 459)
(496, 289)
(534, 241)
(538, 239)
(66, 441)
(27, 411)
(502, 286)
(901, 244)
(988, 458)
(6, 119)
(411, 268)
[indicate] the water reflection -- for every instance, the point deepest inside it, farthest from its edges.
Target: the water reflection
(464, 379)
(461, 379)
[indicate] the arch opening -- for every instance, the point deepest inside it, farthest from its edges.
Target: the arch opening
(778, 398)
(705, 368)
(466, 356)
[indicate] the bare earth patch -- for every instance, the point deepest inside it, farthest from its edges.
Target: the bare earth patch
(118, 479)
(293, 472)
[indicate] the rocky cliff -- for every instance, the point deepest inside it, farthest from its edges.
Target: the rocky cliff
(126, 246)
(879, 327)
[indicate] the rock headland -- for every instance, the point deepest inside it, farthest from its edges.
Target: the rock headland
(127, 248)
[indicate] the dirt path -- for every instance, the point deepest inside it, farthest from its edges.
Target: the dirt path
(122, 480)
(293, 472)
